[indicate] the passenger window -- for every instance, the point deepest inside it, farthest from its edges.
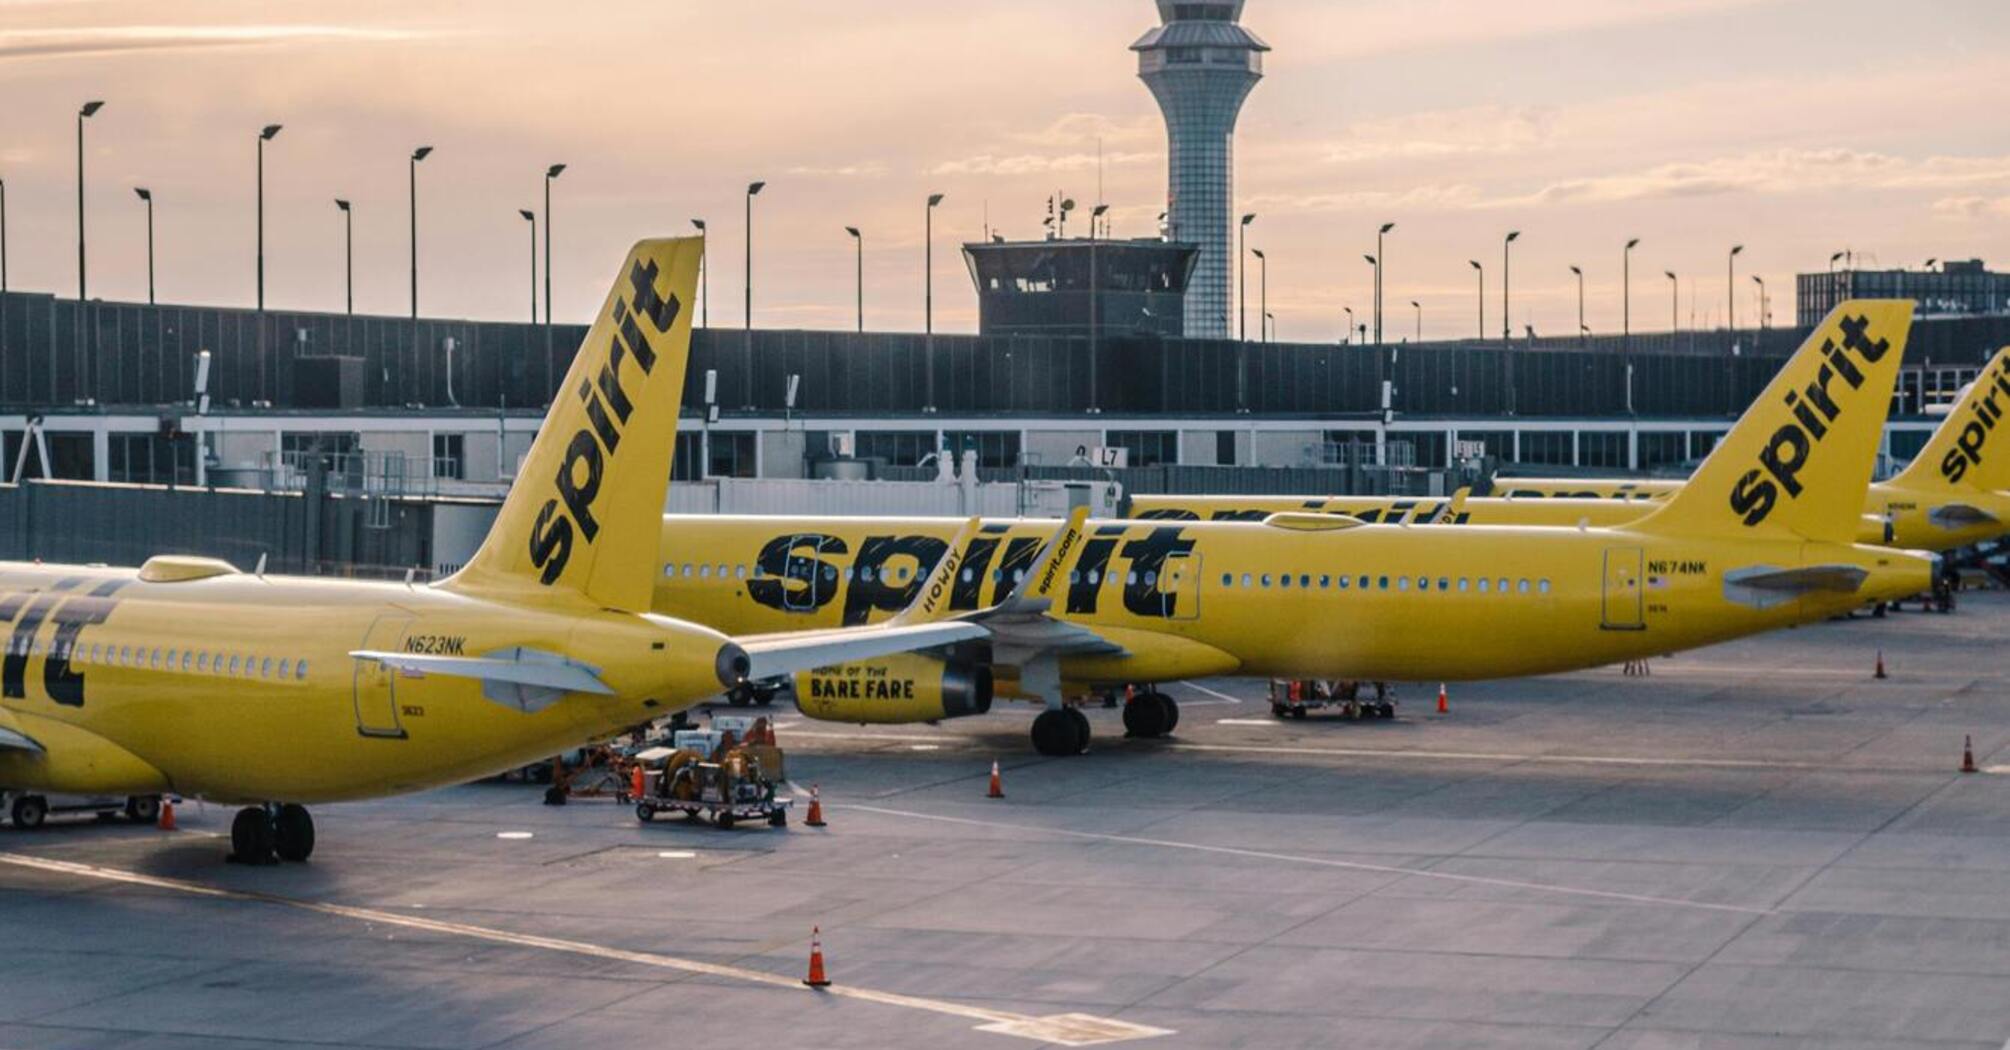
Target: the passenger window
(265, 668)
(1483, 584)
(704, 572)
(1074, 577)
(740, 572)
(1095, 577)
(1423, 583)
(1364, 583)
(1245, 579)
(233, 665)
(1266, 579)
(202, 662)
(722, 570)
(1284, 580)
(300, 670)
(669, 570)
(154, 660)
(283, 662)
(125, 655)
(1523, 588)
(1381, 582)
(1131, 578)
(1019, 576)
(1151, 578)
(1325, 581)
(1543, 586)
(187, 661)
(1462, 584)
(966, 576)
(1402, 583)
(1444, 584)
(1504, 585)
(1304, 580)
(1343, 583)
(1228, 579)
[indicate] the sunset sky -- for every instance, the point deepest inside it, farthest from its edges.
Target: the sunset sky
(1797, 127)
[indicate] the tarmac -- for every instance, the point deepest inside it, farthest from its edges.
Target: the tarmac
(1759, 845)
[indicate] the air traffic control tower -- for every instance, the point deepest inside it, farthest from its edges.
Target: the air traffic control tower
(1200, 64)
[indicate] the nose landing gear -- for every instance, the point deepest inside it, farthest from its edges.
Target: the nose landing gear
(271, 833)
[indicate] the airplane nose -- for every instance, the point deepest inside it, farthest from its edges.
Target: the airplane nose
(732, 665)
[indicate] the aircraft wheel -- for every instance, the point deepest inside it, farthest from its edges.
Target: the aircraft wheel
(554, 795)
(778, 819)
(724, 820)
(1055, 734)
(143, 809)
(28, 812)
(644, 813)
(293, 833)
(1082, 732)
(251, 836)
(1172, 713)
(1149, 715)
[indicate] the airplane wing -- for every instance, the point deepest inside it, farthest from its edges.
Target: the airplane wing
(1763, 586)
(1021, 626)
(11, 740)
(777, 655)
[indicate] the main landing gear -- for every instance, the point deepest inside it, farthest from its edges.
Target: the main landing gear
(1150, 714)
(1060, 731)
(271, 833)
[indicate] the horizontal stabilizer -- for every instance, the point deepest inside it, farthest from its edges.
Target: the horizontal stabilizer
(1952, 516)
(1764, 586)
(525, 679)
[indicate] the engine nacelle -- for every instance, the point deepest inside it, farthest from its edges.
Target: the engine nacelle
(894, 689)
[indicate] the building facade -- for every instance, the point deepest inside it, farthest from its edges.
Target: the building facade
(1958, 288)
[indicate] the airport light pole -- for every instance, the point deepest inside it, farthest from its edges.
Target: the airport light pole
(1375, 297)
(1350, 324)
(1270, 320)
(1263, 282)
(858, 240)
(550, 173)
(1626, 294)
(349, 260)
(413, 171)
(1480, 276)
(1731, 286)
(1506, 243)
(1242, 278)
(1580, 301)
(3, 236)
(264, 136)
(530, 216)
(1420, 319)
(753, 188)
(1674, 304)
(83, 114)
(704, 274)
(928, 267)
(1379, 256)
(1761, 282)
(147, 195)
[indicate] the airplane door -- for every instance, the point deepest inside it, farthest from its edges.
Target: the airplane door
(805, 568)
(1624, 589)
(1179, 586)
(377, 685)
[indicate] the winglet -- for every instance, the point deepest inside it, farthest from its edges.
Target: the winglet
(1452, 508)
(1036, 592)
(929, 602)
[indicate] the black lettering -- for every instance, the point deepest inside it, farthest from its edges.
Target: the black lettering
(597, 415)
(871, 590)
(661, 312)
(1856, 336)
(579, 494)
(550, 542)
(787, 578)
(1142, 593)
(65, 684)
(1753, 497)
(1785, 455)
(969, 586)
(14, 669)
(1087, 584)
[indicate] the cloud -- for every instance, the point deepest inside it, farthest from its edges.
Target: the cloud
(1972, 207)
(1440, 134)
(1037, 163)
(871, 169)
(1416, 198)
(1786, 171)
(107, 40)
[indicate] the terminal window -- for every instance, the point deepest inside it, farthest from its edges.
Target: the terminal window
(450, 458)
(1148, 448)
(732, 454)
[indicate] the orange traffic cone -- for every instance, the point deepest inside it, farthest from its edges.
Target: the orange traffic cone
(635, 781)
(816, 817)
(1880, 665)
(1443, 706)
(1968, 754)
(997, 784)
(816, 979)
(166, 821)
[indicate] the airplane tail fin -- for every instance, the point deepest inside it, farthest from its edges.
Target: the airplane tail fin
(585, 513)
(1963, 452)
(1799, 460)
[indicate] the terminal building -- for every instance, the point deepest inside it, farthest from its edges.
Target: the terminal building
(448, 406)
(1959, 288)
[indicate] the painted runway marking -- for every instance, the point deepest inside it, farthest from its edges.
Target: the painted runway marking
(1324, 862)
(1220, 697)
(1243, 722)
(1063, 1029)
(1504, 756)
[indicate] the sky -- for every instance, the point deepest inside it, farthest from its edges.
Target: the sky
(1795, 127)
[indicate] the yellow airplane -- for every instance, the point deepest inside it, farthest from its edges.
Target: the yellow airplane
(1950, 496)
(188, 676)
(1761, 538)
